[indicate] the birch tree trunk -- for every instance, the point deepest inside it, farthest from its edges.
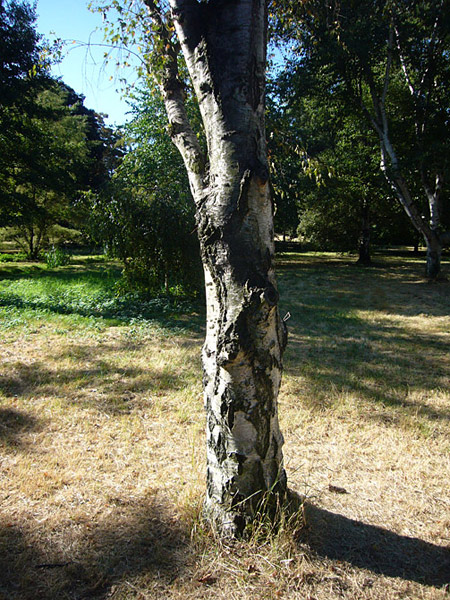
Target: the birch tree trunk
(224, 45)
(430, 232)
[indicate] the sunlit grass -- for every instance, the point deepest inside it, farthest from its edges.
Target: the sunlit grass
(102, 439)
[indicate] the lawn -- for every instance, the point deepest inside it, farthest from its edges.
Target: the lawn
(102, 439)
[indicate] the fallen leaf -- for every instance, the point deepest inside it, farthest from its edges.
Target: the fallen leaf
(207, 579)
(336, 489)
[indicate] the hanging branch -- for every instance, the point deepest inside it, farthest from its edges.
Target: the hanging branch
(174, 95)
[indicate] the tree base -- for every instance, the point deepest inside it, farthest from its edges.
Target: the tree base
(364, 262)
(239, 521)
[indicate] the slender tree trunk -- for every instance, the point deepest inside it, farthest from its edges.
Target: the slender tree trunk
(166, 279)
(224, 44)
(31, 249)
(429, 232)
(364, 239)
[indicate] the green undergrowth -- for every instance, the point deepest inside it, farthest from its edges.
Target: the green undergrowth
(87, 289)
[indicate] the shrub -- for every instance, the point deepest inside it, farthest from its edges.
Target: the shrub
(18, 256)
(57, 257)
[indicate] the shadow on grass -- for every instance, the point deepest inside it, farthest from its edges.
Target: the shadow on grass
(350, 333)
(374, 548)
(86, 558)
(98, 382)
(397, 287)
(13, 424)
(330, 365)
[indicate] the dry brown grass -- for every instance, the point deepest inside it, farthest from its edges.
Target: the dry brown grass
(102, 460)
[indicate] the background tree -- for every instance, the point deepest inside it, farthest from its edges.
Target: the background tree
(51, 146)
(393, 61)
(223, 44)
(19, 49)
(145, 215)
(325, 162)
(285, 155)
(20, 77)
(47, 167)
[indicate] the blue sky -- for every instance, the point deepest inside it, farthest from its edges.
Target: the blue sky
(83, 68)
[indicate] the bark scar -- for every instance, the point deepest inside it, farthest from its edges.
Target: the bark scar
(244, 187)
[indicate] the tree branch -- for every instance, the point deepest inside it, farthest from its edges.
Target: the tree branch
(388, 64)
(408, 80)
(174, 94)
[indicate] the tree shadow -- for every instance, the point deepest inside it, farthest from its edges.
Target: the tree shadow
(360, 287)
(98, 381)
(374, 548)
(381, 364)
(383, 379)
(334, 349)
(13, 424)
(136, 537)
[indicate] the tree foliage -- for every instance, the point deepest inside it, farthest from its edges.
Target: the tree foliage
(145, 215)
(392, 59)
(19, 49)
(52, 148)
(50, 165)
(325, 166)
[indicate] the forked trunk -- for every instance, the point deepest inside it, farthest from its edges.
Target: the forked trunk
(224, 47)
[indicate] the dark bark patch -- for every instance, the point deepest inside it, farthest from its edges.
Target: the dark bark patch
(271, 295)
(256, 84)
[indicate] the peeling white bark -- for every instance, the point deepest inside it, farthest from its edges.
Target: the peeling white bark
(224, 45)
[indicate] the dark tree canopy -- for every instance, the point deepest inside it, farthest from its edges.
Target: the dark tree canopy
(52, 148)
(19, 48)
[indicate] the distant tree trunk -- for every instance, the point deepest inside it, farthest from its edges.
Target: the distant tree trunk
(435, 241)
(429, 232)
(434, 255)
(390, 166)
(166, 279)
(364, 239)
(224, 45)
(32, 254)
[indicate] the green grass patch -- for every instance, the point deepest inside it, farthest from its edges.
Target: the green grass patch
(6, 257)
(87, 288)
